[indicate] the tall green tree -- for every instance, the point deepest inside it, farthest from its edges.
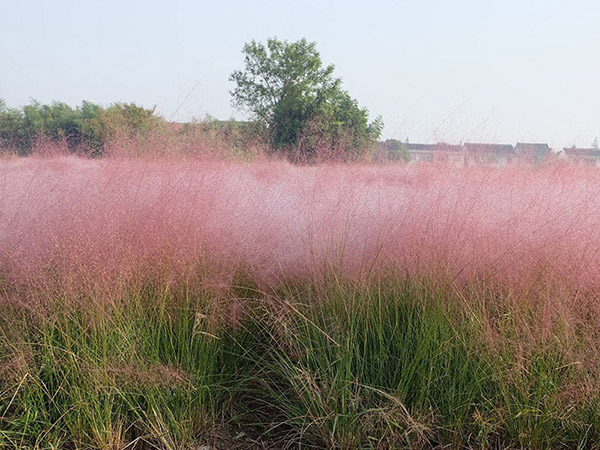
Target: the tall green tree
(302, 104)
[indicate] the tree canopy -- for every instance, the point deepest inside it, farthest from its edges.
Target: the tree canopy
(300, 102)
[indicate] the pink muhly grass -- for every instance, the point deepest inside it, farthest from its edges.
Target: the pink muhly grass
(80, 224)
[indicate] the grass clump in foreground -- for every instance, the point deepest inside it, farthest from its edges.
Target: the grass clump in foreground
(393, 365)
(152, 370)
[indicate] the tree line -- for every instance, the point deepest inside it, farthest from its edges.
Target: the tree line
(86, 128)
(295, 101)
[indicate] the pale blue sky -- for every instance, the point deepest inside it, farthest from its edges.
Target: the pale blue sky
(497, 71)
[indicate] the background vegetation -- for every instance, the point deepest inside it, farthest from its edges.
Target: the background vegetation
(88, 128)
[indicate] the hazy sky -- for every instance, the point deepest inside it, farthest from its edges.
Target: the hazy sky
(495, 71)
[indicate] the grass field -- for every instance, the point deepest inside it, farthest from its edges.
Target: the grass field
(178, 303)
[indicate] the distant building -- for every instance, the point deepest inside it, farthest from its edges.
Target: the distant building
(481, 154)
(532, 153)
(391, 150)
(439, 153)
(497, 155)
(583, 156)
(420, 152)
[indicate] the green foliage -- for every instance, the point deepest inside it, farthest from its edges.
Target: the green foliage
(128, 120)
(154, 368)
(13, 130)
(287, 88)
(92, 126)
(359, 368)
(87, 128)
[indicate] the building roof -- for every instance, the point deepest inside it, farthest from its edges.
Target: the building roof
(410, 146)
(443, 147)
(533, 152)
(582, 152)
(439, 147)
(489, 148)
(531, 147)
